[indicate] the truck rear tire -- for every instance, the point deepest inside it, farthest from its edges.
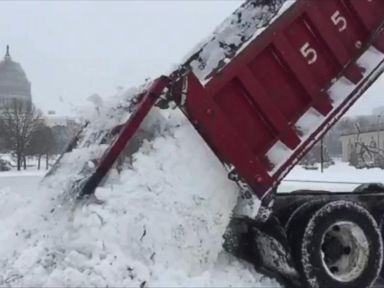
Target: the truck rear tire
(295, 226)
(341, 247)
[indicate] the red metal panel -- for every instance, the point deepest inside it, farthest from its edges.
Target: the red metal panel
(284, 90)
(368, 16)
(367, 12)
(244, 115)
(253, 105)
(348, 27)
(320, 63)
(379, 44)
(325, 30)
(216, 124)
(302, 72)
(268, 108)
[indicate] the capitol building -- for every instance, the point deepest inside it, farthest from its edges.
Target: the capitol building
(13, 82)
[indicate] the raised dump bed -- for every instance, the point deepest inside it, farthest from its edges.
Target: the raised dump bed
(285, 87)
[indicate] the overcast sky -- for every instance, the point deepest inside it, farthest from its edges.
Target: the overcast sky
(72, 49)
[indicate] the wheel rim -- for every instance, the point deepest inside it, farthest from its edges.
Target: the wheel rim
(344, 251)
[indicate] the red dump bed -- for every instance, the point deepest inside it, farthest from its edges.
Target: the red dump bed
(272, 101)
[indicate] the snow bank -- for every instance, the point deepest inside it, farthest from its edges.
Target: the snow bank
(161, 225)
(340, 177)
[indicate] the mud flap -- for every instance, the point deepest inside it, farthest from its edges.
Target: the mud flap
(265, 246)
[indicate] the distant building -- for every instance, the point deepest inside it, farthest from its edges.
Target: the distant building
(53, 120)
(370, 140)
(13, 82)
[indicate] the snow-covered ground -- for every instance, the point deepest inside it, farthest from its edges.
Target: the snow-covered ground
(338, 178)
(161, 223)
(32, 162)
(16, 185)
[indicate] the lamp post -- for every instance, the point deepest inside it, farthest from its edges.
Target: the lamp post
(378, 132)
(321, 155)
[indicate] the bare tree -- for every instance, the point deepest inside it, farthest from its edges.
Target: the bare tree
(42, 143)
(18, 121)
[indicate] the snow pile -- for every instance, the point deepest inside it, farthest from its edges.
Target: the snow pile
(161, 225)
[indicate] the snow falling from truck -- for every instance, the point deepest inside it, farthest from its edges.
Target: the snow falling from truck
(161, 224)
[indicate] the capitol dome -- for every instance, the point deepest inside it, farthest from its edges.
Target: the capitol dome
(13, 81)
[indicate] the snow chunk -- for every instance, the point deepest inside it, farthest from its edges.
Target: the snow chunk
(370, 59)
(309, 122)
(340, 90)
(278, 155)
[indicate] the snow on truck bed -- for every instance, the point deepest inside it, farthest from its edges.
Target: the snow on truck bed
(234, 35)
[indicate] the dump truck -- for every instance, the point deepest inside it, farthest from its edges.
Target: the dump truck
(261, 91)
